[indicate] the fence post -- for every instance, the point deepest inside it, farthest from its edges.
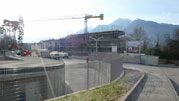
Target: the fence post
(87, 72)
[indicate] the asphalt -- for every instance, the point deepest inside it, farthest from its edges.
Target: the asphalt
(173, 74)
(157, 86)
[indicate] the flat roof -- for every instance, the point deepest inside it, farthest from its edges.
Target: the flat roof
(108, 32)
(102, 32)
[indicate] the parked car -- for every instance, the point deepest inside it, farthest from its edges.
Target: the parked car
(63, 55)
(58, 55)
(55, 56)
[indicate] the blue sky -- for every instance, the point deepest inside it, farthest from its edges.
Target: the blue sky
(162, 11)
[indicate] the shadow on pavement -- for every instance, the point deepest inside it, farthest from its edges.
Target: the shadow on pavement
(176, 86)
(137, 91)
(68, 89)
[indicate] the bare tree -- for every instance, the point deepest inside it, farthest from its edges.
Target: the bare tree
(138, 34)
(9, 27)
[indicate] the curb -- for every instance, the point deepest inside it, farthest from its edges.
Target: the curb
(127, 95)
(176, 95)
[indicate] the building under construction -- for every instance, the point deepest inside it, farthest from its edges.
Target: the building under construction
(83, 44)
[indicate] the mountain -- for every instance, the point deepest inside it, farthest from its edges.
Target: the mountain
(82, 30)
(151, 28)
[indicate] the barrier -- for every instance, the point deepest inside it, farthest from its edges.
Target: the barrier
(149, 60)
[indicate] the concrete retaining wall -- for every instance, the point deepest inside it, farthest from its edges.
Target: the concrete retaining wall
(108, 67)
(31, 84)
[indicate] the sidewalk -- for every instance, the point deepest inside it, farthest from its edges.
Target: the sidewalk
(156, 87)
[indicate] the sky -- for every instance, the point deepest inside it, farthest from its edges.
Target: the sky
(33, 11)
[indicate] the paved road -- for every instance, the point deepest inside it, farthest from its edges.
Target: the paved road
(173, 74)
(157, 86)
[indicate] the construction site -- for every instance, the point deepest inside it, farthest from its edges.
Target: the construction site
(92, 66)
(28, 77)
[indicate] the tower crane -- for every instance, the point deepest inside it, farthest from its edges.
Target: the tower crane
(85, 17)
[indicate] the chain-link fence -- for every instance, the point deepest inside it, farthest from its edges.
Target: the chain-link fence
(102, 68)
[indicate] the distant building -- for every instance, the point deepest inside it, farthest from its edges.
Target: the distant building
(51, 45)
(36, 46)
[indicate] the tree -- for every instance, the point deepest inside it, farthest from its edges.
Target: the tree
(9, 27)
(6, 42)
(174, 45)
(138, 34)
(171, 50)
(176, 34)
(20, 30)
(157, 51)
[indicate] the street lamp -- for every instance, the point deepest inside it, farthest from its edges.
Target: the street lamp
(96, 39)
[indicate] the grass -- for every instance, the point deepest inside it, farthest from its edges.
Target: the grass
(108, 92)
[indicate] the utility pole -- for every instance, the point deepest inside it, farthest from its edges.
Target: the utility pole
(96, 39)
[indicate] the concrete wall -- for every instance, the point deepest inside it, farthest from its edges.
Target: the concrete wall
(31, 84)
(107, 64)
